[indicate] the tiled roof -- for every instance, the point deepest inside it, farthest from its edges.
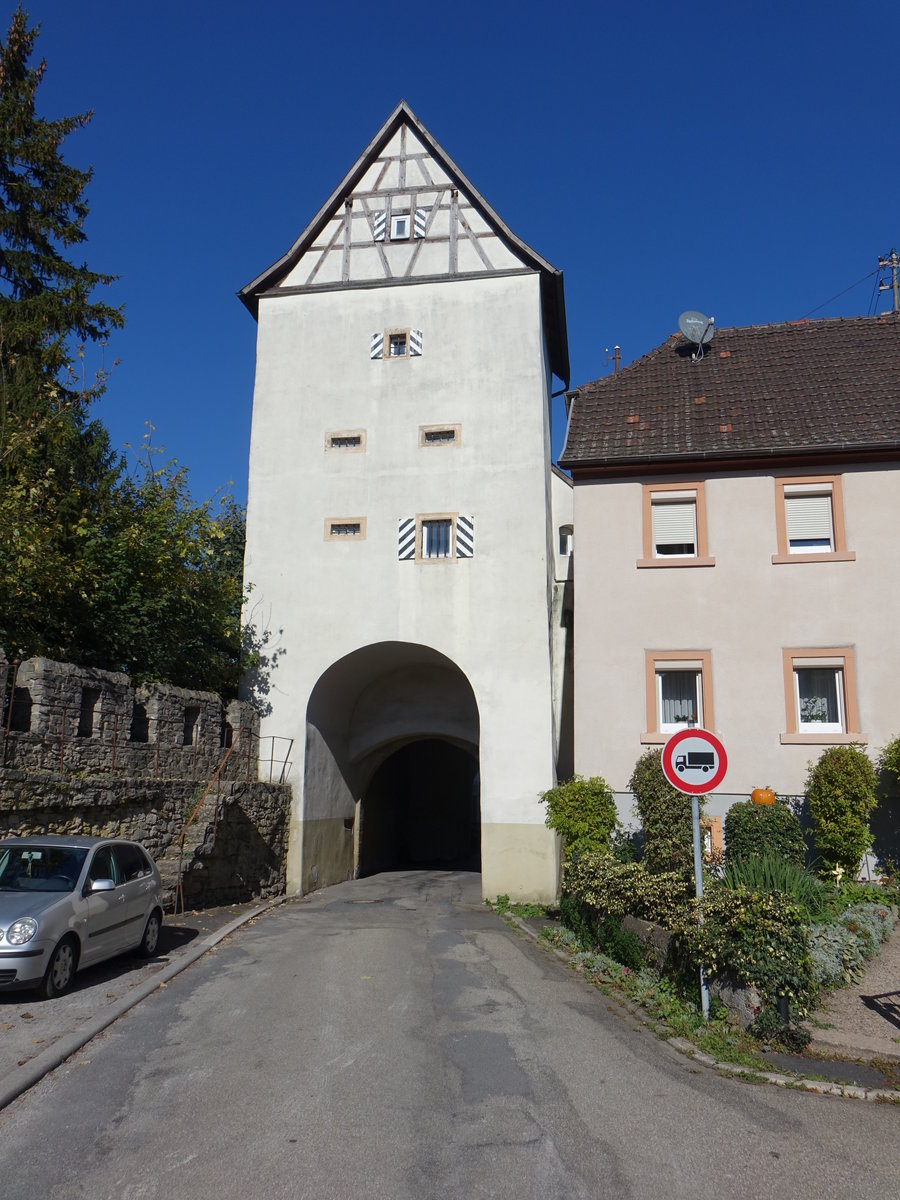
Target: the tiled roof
(811, 387)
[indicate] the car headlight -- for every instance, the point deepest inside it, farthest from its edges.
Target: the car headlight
(21, 931)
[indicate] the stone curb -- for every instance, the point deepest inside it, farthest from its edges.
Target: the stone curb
(683, 1046)
(24, 1077)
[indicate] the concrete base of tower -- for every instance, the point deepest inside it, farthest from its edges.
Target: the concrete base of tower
(520, 861)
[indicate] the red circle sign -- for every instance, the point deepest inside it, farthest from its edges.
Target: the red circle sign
(694, 761)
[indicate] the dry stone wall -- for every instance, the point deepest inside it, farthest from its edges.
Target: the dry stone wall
(82, 751)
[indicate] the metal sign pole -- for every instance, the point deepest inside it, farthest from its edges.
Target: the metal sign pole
(698, 881)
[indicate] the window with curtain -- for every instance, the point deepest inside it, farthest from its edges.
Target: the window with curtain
(679, 699)
(820, 699)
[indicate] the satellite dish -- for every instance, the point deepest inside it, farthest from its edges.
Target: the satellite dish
(697, 327)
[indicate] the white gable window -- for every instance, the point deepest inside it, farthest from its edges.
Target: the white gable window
(400, 227)
(395, 343)
(809, 523)
(679, 697)
(674, 524)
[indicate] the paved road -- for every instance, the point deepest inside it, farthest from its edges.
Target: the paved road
(391, 1038)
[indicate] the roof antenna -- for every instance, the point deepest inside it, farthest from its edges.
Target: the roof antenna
(614, 357)
(697, 328)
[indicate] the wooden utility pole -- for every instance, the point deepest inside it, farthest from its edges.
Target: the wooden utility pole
(893, 261)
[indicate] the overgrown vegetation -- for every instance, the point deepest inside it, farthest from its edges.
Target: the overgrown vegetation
(583, 813)
(763, 831)
(665, 816)
(100, 564)
(841, 793)
(772, 873)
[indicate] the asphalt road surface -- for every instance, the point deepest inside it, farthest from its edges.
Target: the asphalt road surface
(391, 1038)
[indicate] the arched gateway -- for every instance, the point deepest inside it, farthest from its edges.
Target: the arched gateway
(403, 524)
(391, 765)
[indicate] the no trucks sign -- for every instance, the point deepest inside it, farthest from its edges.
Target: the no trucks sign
(694, 761)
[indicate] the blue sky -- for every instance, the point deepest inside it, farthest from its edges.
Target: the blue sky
(737, 158)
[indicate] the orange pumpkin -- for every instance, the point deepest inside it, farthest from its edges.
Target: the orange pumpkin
(762, 796)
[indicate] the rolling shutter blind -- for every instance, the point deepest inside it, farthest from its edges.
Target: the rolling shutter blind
(674, 523)
(808, 518)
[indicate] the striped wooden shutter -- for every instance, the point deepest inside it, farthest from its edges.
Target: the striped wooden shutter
(406, 539)
(674, 523)
(421, 220)
(376, 345)
(379, 224)
(808, 520)
(415, 343)
(465, 537)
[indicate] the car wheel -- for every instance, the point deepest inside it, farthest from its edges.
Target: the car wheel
(60, 970)
(150, 940)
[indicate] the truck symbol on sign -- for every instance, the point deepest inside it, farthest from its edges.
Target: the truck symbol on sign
(695, 760)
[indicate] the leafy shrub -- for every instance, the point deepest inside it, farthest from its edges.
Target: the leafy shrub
(583, 813)
(621, 944)
(769, 1027)
(840, 789)
(759, 939)
(665, 815)
(610, 888)
(839, 948)
(763, 829)
(889, 760)
(771, 873)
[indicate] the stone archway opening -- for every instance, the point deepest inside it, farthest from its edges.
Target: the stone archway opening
(391, 766)
(421, 811)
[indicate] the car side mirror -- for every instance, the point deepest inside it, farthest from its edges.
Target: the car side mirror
(103, 885)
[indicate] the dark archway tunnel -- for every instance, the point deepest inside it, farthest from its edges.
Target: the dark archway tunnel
(421, 810)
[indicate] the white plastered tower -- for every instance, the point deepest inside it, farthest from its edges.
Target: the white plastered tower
(402, 542)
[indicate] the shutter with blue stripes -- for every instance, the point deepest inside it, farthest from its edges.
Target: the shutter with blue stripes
(421, 219)
(406, 539)
(465, 537)
(376, 345)
(379, 224)
(415, 343)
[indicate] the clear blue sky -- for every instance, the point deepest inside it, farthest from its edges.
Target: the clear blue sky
(738, 158)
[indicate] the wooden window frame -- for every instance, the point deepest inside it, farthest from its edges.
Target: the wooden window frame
(654, 660)
(346, 433)
(840, 553)
(345, 537)
(702, 558)
(843, 658)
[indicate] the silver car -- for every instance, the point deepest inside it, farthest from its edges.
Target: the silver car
(70, 902)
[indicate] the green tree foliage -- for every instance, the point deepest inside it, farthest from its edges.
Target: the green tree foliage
(665, 815)
(98, 565)
(758, 830)
(583, 813)
(841, 793)
(47, 310)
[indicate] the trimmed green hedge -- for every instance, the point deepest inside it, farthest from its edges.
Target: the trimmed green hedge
(757, 830)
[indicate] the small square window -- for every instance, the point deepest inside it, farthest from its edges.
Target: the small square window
(400, 227)
(679, 692)
(398, 345)
(437, 538)
(674, 521)
(809, 520)
(820, 696)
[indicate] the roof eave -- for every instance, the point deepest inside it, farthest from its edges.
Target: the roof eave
(712, 460)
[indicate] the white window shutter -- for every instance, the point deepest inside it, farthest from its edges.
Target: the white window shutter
(379, 225)
(376, 345)
(465, 537)
(675, 524)
(808, 518)
(406, 539)
(421, 220)
(415, 343)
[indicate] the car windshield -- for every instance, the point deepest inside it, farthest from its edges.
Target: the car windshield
(40, 868)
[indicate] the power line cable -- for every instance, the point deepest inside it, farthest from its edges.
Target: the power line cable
(843, 293)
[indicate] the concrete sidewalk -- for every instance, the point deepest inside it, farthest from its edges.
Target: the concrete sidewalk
(37, 1035)
(863, 1019)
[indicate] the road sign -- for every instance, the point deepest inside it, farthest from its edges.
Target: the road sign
(694, 761)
